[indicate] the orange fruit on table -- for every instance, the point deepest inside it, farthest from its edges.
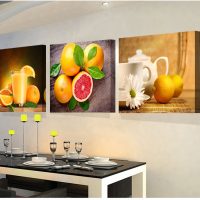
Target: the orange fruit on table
(97, 59)
(63, 88)
(28, 70)
(164, 89)
(33, 94)
(6, 100)
(178, 83)
(68, 64)
(82, 86)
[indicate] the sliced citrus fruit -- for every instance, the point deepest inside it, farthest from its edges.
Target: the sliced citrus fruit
(28, 70)
(82, 86)
(63, 88)
(6, 92)
(6, 100)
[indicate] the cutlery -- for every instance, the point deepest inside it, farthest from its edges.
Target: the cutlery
(83, 168)
(61, 167)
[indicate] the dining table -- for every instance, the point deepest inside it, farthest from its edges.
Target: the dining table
(96, 179)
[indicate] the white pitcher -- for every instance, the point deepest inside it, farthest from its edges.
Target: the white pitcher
(150, 69)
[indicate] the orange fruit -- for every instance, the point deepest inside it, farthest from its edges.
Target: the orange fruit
(9, 86)
(28, 70)
(97, 60)
(82, 86)
(164, 89)
(178, 83)
(33, 94)
(6, 100)
(68, 64)
(63, 88)
(45, 95)
(5, 92)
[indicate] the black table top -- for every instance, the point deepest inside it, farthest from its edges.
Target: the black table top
(17, 162)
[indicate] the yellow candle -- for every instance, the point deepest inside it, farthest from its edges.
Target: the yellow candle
(37, 117)
(11, 132)
(24, 118)
(54, 133)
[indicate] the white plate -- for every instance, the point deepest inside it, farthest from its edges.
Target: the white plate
(101, 164)
(44, 164)
(75, 157)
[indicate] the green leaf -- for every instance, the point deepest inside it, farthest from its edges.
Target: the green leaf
(72, 103)
(96, 73)
(55, 69)
(11, 109)
(30, 105)
(92, 53)
(78, 55)
(85, 105)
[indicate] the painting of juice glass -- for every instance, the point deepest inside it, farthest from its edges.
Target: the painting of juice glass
(23, 79)
(159, 73)
(82, 77)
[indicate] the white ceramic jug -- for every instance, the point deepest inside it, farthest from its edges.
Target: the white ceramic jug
(150, 69)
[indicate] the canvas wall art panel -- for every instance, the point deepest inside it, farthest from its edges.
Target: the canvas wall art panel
(159, 73)
(82, 76)
(23, 79)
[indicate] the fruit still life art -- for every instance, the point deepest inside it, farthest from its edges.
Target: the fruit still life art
(22, 79)
(79, 72)
(157, 73)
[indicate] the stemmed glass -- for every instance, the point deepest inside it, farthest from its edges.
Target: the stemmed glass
(66, 145)
(6, 144)
(78, 147)
(53, 146)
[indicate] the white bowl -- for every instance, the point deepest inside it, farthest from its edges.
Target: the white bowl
(16, 150)
(39, 159)
(101, 159)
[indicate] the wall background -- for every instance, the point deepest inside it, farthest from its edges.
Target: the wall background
(169, 143)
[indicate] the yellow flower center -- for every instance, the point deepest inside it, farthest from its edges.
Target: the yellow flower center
(132, 93)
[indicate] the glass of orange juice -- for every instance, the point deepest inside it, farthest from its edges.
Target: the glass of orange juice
(19, 87)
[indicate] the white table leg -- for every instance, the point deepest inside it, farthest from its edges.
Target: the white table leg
(139, 184)
(97, 190)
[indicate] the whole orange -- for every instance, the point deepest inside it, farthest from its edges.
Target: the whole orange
(33, 94)
(97, 60)
(63, 88)
(68, 64)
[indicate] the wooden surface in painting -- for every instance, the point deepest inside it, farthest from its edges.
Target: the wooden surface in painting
(40, 108)
(151, 106)
(102, 98)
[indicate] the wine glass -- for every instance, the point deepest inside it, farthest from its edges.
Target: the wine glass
(6, 144)
(66, 145)
(53, 146)
(78, 147)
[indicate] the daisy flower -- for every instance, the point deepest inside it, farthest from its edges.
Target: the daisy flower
(134, 94)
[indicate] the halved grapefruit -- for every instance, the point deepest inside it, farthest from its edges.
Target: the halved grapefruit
(28, 70)
(82, 86)
(6, 100)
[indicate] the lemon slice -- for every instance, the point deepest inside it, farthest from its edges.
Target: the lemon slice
(28, 70)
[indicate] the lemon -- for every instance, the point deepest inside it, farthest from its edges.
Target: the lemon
(178, 84)
(164, 89)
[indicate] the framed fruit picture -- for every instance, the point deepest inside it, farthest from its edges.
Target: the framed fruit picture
(23, 79)
(159, 73)
(82, 77)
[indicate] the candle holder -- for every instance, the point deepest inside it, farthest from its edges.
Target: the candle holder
(23, 120)
(11, 133)
(37, 119)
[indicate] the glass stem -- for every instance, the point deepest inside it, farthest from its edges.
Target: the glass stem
(53, 156)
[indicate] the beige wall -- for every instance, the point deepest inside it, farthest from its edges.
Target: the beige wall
(169, 143)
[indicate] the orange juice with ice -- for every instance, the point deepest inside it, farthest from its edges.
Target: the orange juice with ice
(19, 86)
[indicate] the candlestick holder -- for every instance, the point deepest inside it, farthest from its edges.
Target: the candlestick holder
(23, 120)
(11, 133)
(54, 134)
(37, 119)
